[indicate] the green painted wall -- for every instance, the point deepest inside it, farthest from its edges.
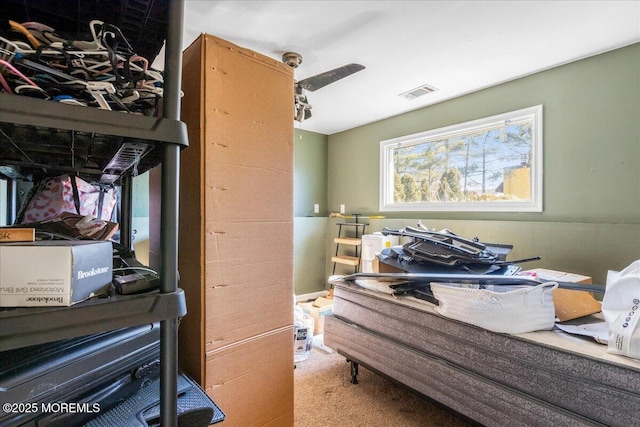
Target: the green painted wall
(309, 228)
(309, 254)
(591, 217)
(309, 173)
(140, 196)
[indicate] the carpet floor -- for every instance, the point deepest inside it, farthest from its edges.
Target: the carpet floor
(324, 396)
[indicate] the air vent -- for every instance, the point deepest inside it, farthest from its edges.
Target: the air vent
(419, 91)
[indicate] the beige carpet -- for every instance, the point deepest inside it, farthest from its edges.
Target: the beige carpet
(324, 396)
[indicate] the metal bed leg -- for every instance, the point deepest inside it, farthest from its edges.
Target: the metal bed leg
(354, 372)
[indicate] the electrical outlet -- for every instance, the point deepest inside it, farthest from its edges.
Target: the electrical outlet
(342, 209)
(316, 208)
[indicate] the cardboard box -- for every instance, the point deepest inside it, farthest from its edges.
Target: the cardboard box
(563, 276)
(17, 234)
(323, 303)
(252, 380)
(236, 230)
(569, 304)
(318, 309)
(53, 272)
(248, 277)
(381, 267)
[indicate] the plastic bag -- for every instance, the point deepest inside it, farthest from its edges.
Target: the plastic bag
(303, 325)
(620, 308)
(66, 193)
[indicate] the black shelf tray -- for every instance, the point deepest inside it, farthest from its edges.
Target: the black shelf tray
(23, 327)
(45, 138)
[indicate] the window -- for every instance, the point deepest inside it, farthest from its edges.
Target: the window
(486, 165)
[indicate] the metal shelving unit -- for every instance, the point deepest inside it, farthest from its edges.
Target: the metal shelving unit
(23, 327)
(36, 133)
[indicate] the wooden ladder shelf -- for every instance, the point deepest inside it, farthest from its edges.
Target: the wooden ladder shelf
(354, 241)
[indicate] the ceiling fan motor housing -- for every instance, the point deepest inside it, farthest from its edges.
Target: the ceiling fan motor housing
(292, 59)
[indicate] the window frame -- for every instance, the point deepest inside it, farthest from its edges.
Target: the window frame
(535, 204)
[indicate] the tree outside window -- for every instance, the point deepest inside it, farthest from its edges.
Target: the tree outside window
(489, 164)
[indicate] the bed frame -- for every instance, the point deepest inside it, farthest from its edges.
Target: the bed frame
(543, 378)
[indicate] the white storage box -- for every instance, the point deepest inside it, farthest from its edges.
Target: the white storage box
(373, 244)
(53, 272)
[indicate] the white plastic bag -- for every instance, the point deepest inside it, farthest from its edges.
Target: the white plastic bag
(302, 334)
(498, 308)
(620, 308)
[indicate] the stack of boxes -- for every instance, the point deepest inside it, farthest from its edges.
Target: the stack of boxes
(236, 231)
(569, 304)
(318, 310)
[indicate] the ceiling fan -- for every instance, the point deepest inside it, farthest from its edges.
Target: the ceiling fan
(313, 83)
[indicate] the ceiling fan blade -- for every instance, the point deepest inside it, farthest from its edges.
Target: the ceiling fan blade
(321, 80)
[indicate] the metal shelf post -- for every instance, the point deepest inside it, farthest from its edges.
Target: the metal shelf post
(169, 218)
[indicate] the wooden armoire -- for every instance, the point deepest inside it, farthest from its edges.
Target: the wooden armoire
(236, 231)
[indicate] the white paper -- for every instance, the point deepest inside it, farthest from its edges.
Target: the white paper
(598, 331)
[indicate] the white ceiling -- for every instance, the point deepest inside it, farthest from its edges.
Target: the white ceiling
(455, 46)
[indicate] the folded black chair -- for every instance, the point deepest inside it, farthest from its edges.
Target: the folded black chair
(444, 248)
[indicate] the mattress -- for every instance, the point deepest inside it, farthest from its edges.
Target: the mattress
(537, 378)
